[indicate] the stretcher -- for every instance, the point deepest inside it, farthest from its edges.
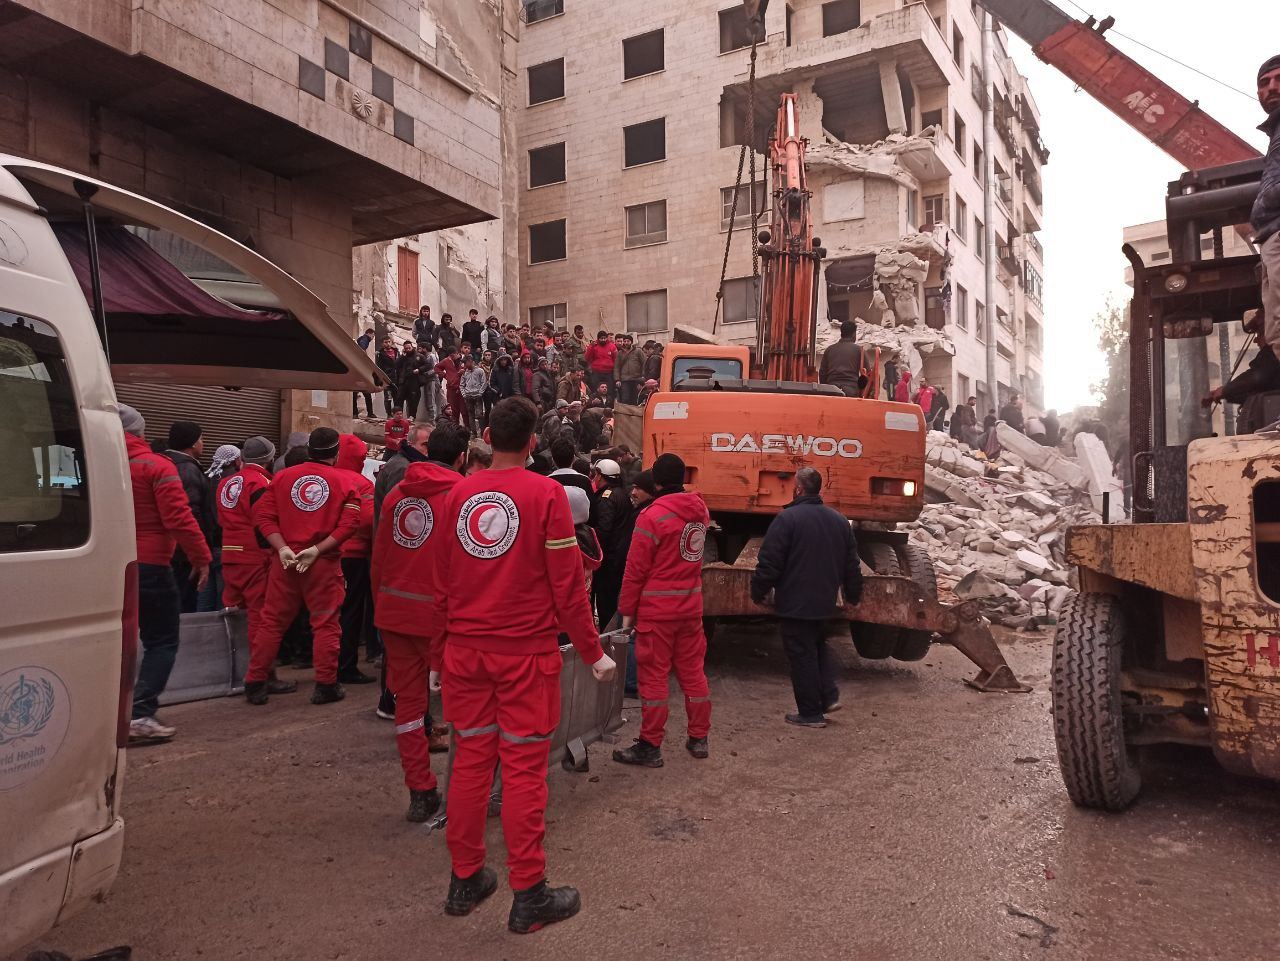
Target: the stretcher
(589, 711)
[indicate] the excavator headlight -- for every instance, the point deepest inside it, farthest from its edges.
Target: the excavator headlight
(893, 487)
(1175, 283)
(908, 488)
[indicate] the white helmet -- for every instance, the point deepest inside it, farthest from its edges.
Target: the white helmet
(609, 467)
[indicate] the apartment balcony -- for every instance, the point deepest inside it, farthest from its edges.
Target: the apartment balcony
(845, 68)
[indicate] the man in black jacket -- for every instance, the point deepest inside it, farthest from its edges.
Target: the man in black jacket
(473, 333)
(186, 445)
(809, 554)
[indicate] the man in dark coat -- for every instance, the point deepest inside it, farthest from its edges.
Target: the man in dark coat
(842, 363)
(808, 556)
(186, 445)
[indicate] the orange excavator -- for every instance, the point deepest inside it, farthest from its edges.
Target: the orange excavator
(745, 425)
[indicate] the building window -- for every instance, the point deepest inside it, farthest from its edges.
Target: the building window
(44, 493)
(554, 314)
(547, 242)
(962, 389)
(960, 312)
(535, 10)
(546, 165)
(646, 224)
(979, 238)
(733, 29)
(913, 208)
(959, 138)
(840, 16)
(790, 13)
(645, 143)
(744, 204)
(933, 211)
(931, 118)
(647, 312)
(980, 320)
(979, 161)
(1160, 255)
(957, 45)
(741, 300)
(643, 54)
(407, 280)
(546, 81)
(961, 226)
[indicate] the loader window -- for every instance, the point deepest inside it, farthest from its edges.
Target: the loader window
(1266, 538)
(725, 368)
(44, 497)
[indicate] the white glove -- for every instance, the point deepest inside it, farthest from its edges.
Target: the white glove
(287, 557)
(433, 681)
(306, 558)
(604, 669)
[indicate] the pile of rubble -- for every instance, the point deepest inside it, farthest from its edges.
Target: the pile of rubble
(998, 537)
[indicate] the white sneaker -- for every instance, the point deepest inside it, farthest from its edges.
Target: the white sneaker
(149, 729)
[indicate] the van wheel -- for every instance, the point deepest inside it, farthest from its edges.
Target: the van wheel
(915, 562)
(1097, 766)
(875, 642)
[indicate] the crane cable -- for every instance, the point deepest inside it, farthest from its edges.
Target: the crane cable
(749, 146)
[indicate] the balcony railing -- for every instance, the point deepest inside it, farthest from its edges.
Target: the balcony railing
(1031, 180)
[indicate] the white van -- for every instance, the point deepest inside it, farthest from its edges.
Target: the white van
(68, 590)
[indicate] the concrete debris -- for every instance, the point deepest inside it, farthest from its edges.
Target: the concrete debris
(1093, 457)
(879, 159)
(996, 529)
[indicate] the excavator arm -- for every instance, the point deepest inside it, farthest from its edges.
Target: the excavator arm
(1138, 97)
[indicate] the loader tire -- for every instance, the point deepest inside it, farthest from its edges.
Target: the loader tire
(875, 642)
(915, 563)
(1097, 766)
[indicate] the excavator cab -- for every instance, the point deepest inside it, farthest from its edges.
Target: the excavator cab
(1175, 634)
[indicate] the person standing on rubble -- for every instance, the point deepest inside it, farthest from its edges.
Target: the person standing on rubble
(843, 364)
(662, 598)
(1265, 217)
(511, 530)
(808, 556)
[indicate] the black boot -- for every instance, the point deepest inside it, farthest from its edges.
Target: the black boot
(465, 894)
(356, 676)
(277, 686)
(697, 746)
(327, 693)
(642, 753)
(540, 905)
(422, 804)
(255, 692)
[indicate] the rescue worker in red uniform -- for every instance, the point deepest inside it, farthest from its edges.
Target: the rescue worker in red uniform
(508, 535)
(305, 515)
(246, 556)
(409, 534)
(356, 616)
(162, 518)
(662, 597)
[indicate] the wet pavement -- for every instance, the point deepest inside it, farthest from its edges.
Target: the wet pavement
(927, 821)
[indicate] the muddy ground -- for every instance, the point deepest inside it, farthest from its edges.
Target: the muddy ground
(928, 821)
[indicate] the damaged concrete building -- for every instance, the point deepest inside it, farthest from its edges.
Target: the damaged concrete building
(301, 128)
(628, 232)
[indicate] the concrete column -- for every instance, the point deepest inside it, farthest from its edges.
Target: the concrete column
(891, 89)
(989, 210)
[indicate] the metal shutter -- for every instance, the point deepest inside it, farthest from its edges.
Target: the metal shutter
(227, 416)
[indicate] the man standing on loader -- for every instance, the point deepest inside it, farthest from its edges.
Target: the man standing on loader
(662, 598)
(1265, 218)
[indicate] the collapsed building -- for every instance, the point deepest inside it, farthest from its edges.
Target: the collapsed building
(892, 101)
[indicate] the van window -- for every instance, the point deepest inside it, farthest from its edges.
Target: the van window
(44, 496)
(725, 368)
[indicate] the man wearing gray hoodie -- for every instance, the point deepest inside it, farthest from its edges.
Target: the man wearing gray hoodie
(1265, 218)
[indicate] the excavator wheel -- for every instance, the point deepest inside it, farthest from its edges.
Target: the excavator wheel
(915, 563)
(1097, 765)
(875, 642)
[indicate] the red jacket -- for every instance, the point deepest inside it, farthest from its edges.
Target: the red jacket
(161, 511)
(236, 497)
(412, 532)
(449, 372)
(902, 392)
(925, 399)
(663, 580)
(351, 454)
(512, 555)
(601, 358)
(394, 431)
(307, 503)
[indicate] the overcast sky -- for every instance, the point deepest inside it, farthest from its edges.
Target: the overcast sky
(1103, 176)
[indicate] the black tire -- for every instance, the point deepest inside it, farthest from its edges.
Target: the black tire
(1097, 766)
(915, 563)
(875, 642)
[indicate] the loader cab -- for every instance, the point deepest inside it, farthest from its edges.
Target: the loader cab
(686, 366)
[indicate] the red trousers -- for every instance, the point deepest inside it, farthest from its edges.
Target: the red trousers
(407, 675)
(503, 707)
(321, 588)
(245, 585)
(453, 396)
(661, 648)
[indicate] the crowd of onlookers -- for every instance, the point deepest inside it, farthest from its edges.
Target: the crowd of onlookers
(460, 373)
